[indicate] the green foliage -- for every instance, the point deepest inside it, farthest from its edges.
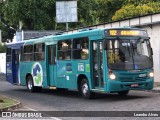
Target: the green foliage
(107, 8)
(138, 2)
(35, 15)
(6, 102)
(2, 48)
(87, 12)
(134, 10)
(155, 6)
(41, 14)
(91, 12)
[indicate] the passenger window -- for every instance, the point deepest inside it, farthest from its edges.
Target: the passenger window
(39, 52)
(64, 50)
(8, 57)
(80, 48)
(28, 53)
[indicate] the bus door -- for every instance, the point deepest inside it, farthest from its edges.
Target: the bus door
(97, 65)
(51, 65)
(9, 74)
(15, 65)
(12, 65)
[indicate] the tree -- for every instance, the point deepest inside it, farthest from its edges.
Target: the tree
(41, 14)
(7, 32)
(107, 8)
(2, 48)
(87, 12)
(33, 14)
(138, 9)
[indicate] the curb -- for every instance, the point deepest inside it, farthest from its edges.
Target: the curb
(15, 106)
(155, 91)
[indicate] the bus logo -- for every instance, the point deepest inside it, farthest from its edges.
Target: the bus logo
(69, 67)
(37, 73)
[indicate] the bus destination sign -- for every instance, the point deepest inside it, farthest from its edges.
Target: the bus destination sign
(127, 33)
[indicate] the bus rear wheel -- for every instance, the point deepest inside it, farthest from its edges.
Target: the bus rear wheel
(84, 88)
(30, 85)
(123, 93)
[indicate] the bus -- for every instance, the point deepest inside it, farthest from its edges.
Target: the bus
(114, 60)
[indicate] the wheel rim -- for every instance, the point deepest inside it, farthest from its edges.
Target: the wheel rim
(30, 84)
(85, 89)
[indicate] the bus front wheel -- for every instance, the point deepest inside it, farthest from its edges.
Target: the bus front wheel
(123, 93)
(30, 85)
(85, 91)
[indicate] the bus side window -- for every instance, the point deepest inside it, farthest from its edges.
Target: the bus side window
(8, 57)
(64, 50)
(16, 56)
(84, 54)
(80, 48)
(28, 53)
(39, 52)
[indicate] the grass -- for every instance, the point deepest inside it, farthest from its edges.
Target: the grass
(6, 102)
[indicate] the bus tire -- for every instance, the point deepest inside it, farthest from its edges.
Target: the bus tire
(30, 85)
(85, 90)
(123, 93)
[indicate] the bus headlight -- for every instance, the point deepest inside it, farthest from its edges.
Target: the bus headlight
(112, 76)
(151, 74)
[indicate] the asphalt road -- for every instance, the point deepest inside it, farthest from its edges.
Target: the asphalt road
(52, 100)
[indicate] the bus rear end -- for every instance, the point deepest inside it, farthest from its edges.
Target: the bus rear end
(12, 62)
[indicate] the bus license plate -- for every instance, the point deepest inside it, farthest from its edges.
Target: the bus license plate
(134, 85)
(142, 75)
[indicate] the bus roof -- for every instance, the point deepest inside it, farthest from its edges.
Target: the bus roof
(54, 38)
(16, 45)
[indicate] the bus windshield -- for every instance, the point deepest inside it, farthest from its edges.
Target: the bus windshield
(129, 54)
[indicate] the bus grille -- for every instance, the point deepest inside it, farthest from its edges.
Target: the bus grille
(132, 79)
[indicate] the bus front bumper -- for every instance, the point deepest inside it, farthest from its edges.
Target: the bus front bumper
(115, 86)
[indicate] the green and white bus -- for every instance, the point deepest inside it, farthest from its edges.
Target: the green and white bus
(112, 60)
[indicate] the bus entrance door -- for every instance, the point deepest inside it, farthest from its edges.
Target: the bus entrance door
(97, 65)
(51, 65)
